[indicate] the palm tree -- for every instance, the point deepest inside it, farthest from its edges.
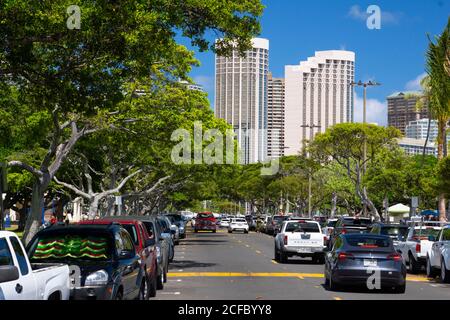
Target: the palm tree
(439, 83)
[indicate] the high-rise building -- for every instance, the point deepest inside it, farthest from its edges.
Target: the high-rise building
(241, 97)
(418, 129)
(415, 146)
(402, 110)
(318, 93)
(275, 117)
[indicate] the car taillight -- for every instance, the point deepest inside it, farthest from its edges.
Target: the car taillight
(418, 247)
(344, 231)
(285, 240)
(395, 257)
(325, 239)
(343, 255)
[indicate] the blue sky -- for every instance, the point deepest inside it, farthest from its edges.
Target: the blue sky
(393, 55)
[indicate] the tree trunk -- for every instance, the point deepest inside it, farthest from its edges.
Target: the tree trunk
(34, 220)
(93, 207)
(442, 124)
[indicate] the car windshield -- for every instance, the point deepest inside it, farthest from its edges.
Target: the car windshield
(367, 242)
(175, 218)
(360, 222)
(71, 246)
(302, 227)
(424, 233)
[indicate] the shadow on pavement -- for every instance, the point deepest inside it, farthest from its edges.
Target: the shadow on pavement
(359, 289)
(186, 264)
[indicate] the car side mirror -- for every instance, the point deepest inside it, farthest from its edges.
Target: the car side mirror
(126, 254)
(150, 242)
(432, 238)
(8, 273)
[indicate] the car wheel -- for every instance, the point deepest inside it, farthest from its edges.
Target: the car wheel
(229, 231)
(414, 266)
(319, 259)
(160, 281)
(400, 289)
(143, 291)
(431, 271)
(195, 230)
(214, 231)
(283, 257)
(153, 284)
(246, 231)
(119, 295)
(445, 274)
(166, 268)
(276, 254)
(332, 285)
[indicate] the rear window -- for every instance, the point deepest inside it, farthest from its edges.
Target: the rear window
(205, 215)
(394, 231)
(368, 242)
(149, 226)
(357, 222)
(280, 218)
(331, 223)
(424, 233)
(71, 246)
(302, 227)
(5, 254)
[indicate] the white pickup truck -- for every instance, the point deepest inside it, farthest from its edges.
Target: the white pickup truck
(20, 280)
(415, 246)
(302, 238)
(438, 258)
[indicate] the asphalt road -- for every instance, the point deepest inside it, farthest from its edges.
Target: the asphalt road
(240, 266)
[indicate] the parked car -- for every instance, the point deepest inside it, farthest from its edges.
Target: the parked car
(273, 224)
(145, 247)
(110, 267)
(177, 219)
(302, 238)
(346, 225)
(354, 256)
(166, 233)
(328, 229)
(238, 224)
(417, 244)
(164, 245)
(22, 280)
(251, 221)
(205, 221)
(224, 223)
(438, 258)
(174, 230)
(397, 232)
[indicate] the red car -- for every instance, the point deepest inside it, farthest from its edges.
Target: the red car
(145, 246)
(205, 221)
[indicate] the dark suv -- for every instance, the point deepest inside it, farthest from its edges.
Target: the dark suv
(346, 225)
(109, 265)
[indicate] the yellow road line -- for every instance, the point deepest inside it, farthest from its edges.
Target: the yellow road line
(257, 251)
(273, 261)
(244, 274)
(268, 274)
(337, 298)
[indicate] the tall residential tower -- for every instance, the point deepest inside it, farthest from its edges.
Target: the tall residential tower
(241, 98)
(275, 117)
(318, 93)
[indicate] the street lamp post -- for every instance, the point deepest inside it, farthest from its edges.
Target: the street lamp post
(365, 85)
(311, 137)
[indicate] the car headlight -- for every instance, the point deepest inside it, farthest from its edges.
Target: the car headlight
(97, 278)
(181, 228)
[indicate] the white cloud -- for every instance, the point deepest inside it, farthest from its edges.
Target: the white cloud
(357, 13)
(414, 85)
(376, 111)
(205, 81)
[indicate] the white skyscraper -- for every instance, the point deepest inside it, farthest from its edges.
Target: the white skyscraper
(318, 93)
(275, 117)
(241, 98)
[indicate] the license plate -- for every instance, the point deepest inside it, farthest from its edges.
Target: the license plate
(370, 263)
(304, 250)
